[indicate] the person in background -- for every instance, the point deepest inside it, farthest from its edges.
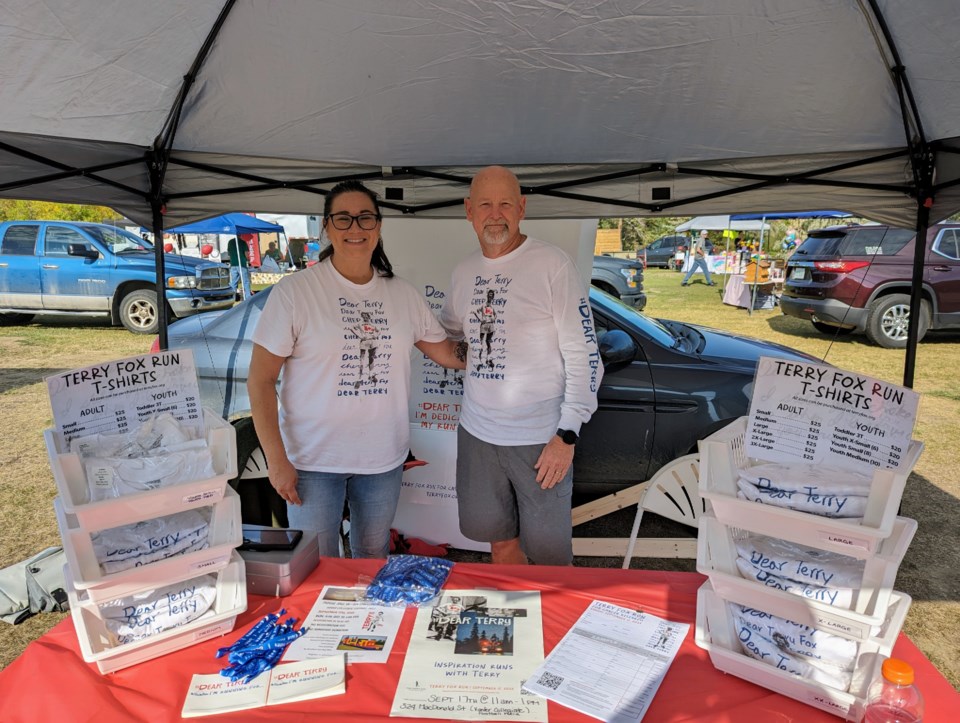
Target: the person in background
(238, 251)
(699, 254)
(336, 436)
(273, 252)
(531, 382)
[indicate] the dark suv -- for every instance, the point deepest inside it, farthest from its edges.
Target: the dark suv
(858, 278)
(663, 252)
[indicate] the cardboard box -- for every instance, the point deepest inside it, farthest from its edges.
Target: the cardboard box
(279, 572)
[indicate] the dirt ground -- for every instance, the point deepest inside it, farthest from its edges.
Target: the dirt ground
(928, 573)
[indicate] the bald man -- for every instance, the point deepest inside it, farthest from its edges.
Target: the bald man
(530, 383)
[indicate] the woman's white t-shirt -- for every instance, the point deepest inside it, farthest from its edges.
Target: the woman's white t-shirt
(345, 385)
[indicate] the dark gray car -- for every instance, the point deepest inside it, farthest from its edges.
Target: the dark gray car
(663, 252)
(667, 384)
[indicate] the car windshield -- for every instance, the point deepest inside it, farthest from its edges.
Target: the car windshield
(118, 240)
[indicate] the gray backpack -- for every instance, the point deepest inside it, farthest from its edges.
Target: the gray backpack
(33, 586)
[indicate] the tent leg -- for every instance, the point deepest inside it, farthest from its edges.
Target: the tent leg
(154, 165)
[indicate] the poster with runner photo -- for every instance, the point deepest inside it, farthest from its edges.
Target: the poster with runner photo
(469, 656)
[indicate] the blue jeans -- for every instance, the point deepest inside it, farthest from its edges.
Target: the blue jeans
(241, 273)
(698, 263)
(373, 505)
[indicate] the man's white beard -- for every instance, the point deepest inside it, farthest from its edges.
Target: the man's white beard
(496, 235)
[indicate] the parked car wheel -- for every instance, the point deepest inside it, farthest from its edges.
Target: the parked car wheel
(13, 319)
(139, 312)
(259, 501)
(603, 286)
(889, 318)
(831, 330)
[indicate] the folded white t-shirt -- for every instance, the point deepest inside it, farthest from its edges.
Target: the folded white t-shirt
(758, 646)
(818, 479)
(801, 563)
(157, 433)
(140, 543)
(840, 506)
(832, 596)
(110, 477)
(798, 639)
(149, 613)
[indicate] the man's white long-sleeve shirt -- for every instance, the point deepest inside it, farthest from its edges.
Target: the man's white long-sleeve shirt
(534, 365)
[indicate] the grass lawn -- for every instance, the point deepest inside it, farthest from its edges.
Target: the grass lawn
(928, 574)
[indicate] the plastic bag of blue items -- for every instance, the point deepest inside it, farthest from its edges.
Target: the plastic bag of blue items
(409, 580)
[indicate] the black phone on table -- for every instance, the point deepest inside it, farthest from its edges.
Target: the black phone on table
(269, 538)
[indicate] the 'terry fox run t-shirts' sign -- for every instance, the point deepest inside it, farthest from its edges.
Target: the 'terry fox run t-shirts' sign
(819, 414)
(117, 396)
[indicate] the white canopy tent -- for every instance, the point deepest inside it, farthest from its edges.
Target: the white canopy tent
(179, 110)
(720, 223)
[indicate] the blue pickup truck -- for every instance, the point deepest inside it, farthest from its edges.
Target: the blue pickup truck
(62, 267)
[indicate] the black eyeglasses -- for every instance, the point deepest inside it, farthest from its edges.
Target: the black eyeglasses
(366, 221)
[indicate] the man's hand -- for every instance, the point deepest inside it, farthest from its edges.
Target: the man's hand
(283, 477)
(553, 463)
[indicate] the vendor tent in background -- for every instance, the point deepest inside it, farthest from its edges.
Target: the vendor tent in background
(235, 224)
(655, 107)
(720, 223)
(764, 217)
(230, 223)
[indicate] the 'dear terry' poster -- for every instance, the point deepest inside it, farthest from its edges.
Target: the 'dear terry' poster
(469, 655)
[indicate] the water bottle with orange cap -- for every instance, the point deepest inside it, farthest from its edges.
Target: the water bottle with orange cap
(894, 698)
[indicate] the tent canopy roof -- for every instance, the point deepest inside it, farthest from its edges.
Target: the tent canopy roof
(603, 108)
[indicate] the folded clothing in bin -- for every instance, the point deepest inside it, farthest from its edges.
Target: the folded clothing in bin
(161, 451)
(110, 477)
(799, 649)
(819, 490)
(148, 613)
(140, 543)
(820, 575)
(160, 431)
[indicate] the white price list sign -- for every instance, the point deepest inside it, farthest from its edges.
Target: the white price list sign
(117, 396)
(818, 414)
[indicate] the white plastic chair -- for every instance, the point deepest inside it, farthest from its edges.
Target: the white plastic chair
(673, 492)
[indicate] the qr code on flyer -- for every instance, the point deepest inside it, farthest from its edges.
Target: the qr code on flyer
(549, 680)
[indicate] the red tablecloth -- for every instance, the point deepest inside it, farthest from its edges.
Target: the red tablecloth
(50, 681)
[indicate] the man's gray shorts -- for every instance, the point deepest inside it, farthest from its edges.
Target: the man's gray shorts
(500, 499)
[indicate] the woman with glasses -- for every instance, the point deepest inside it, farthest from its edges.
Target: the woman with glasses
(341, 332)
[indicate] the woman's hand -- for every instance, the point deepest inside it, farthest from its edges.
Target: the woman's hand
(283, 477)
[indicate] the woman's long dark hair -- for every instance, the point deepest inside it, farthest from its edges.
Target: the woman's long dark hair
(379, 261)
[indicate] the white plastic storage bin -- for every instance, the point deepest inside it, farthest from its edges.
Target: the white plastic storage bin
(225, 534)
(72, 483)
(717, 558)
(716, 634)
(723, 455)
(98, 645)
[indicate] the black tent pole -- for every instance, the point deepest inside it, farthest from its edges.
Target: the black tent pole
(924, 198)
(155, 166)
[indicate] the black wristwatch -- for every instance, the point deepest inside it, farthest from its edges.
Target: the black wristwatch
(568, 436)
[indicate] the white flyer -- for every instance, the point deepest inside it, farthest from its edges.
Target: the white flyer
(610, 664)
(342, 621)
(118, 396)
(819, 414)
(469, 656)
